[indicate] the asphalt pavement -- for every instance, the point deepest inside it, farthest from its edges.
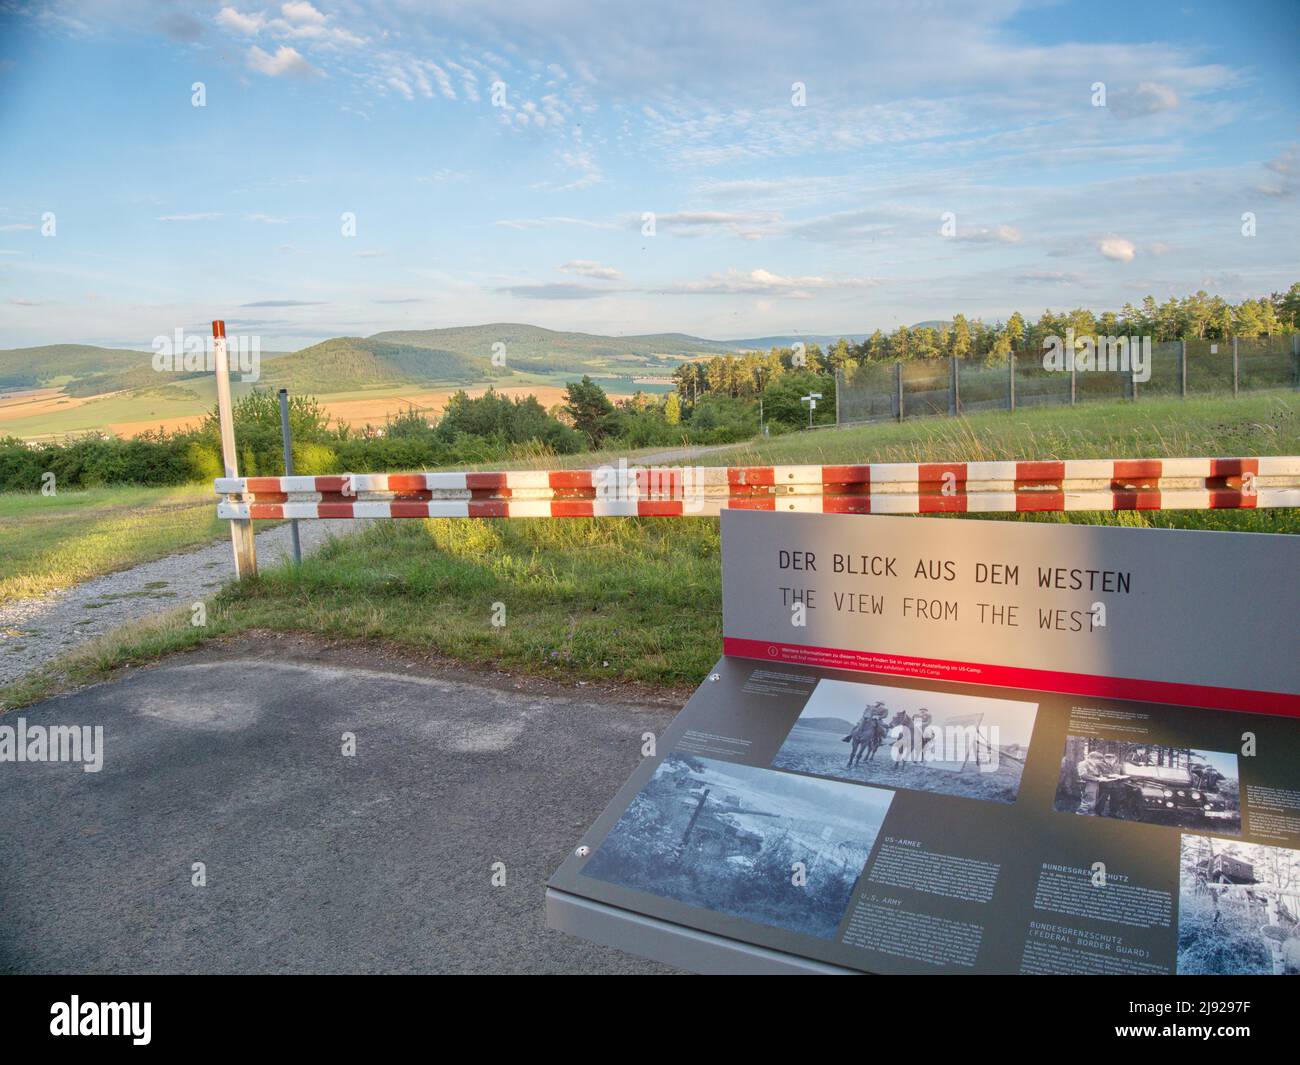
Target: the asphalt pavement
(425, 851)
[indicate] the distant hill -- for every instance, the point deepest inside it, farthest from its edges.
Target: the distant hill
(823, 340)
(38, 367)
(531, 344)
(827, 724)
(460, 355)
(347, 363)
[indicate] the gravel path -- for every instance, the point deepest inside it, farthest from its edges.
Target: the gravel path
(35, 630)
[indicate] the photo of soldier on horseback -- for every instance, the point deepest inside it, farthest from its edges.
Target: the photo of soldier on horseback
(868, 734)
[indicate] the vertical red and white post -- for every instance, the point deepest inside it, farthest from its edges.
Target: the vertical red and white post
(241, 530)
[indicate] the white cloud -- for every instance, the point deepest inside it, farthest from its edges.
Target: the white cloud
(285, 61)
(199, 216)
(764, 282)
(230, 19)
(591, 268)
(301, 11)
(1003, 234)
(1149, 98)
(1117, 248)
(589, 173)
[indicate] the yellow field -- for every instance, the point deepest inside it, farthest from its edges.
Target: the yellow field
(47, 412)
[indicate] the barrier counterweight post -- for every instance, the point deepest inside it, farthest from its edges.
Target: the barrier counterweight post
(241, 529)
(287, 439)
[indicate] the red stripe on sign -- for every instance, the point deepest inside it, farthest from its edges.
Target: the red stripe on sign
(765, 502)
(570, 479)
(1233, 467)
(1034, 473)
(846, 504)
(332, 484)
(260, 511)
(1137, 471)
(412, 497)
(272, 497)
(854, 475)
(1126, 499)
(1027, 502)
(477, 482)
(260, 485)
(659, 508)
(1283, 704)
(938, 503)
(398, 509)
(942, 473)
(408, 482)
(489, 508)
(571, 508)
(750, 475)
(490, 493)
(334, 510)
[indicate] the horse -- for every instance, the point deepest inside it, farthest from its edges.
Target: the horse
(867, 735)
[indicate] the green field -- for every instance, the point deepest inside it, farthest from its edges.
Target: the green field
(639, 599)
(57, 541)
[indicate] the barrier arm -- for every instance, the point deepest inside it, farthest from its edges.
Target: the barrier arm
(881, 488)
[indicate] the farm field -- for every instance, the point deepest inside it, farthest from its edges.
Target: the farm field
(43, 414)
(639, 599)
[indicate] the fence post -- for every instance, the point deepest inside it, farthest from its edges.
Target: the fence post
(1011, 380)
(287, 440)
(954, 388)
(1295, 353)
(1182, 368)
(840, 374)
(1236, 369)
(1073, 382)
(241, 529)
(898, 388)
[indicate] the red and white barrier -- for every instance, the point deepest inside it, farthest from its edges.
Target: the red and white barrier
(881, 488)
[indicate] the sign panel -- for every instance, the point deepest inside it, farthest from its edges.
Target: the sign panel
(797, 816)
(1194, 618)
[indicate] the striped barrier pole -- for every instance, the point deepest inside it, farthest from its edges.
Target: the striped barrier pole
(881, 488)
(241, 529)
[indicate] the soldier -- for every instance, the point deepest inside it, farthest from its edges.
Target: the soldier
(1097, 772)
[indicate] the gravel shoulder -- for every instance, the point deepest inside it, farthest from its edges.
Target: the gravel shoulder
(32, 631)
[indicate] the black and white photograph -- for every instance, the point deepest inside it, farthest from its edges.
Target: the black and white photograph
(963, 745)
(1238, 908)
(770, 847)
(1159, 784)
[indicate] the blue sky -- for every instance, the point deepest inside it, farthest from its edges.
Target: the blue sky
(768, 217)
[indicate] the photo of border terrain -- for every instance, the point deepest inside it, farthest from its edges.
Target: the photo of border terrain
(1238, 908)
(921, 740)
(735, 839)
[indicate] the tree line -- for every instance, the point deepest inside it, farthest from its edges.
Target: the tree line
(1199, 316)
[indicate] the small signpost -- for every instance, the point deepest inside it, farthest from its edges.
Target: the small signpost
(811, 399)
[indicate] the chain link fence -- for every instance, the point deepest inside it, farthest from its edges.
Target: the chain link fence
(881, 391)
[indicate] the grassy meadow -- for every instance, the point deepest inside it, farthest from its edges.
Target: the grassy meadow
(53, 542)
(639, 599)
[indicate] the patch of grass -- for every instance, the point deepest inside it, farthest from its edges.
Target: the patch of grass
(57, 541)
(1261, 423)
